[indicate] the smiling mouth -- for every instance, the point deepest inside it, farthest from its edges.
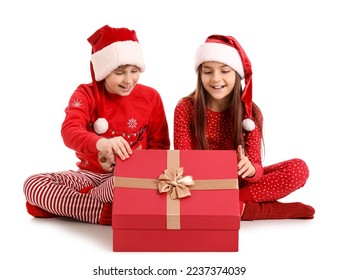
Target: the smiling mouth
(125, 87)
(218, 87)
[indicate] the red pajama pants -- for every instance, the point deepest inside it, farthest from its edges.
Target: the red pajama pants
(278, 181)
(60, 193)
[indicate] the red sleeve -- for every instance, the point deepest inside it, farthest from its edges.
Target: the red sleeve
(158, 136)
(183, 136)
(76, 131)
(253, 144)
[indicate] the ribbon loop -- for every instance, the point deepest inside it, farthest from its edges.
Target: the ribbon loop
(173, 182)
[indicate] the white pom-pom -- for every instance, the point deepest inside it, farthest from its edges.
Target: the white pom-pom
(248, 124)
(100, 125)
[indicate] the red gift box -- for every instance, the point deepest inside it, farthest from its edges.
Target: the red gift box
(171, 200)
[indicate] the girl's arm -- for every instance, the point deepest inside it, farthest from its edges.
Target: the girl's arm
(252, 148)
(183, 136)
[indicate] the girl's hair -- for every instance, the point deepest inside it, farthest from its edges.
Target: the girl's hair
(198, 97)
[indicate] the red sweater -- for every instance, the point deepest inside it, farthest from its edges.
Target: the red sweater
(139, 118)
(219, 134)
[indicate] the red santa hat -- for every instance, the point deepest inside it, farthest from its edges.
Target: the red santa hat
(111, 48)
(227, 50)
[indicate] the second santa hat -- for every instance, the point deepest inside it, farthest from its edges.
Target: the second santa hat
(227, 50)
(111, 48)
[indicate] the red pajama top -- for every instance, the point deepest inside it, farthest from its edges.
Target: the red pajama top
(219, 134)
(139, 118)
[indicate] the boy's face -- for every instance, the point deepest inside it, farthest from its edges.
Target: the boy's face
(122, 80)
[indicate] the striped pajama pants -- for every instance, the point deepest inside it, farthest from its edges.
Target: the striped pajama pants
(59, 193)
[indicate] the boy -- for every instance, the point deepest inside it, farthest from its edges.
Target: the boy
(107, 118)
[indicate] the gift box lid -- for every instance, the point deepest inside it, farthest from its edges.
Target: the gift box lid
(212, 202)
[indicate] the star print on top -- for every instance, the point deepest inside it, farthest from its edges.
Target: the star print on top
(219, 133)
(269, 183)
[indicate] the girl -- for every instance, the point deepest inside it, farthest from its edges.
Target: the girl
(107, 118)
(220, 115)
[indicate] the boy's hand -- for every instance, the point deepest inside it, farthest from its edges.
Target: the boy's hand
(107, 149)
(107, 164)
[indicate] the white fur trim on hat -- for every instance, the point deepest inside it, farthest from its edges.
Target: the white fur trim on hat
(114, 55)
(220, 53)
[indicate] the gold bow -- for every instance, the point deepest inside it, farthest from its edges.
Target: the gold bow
(173, 182)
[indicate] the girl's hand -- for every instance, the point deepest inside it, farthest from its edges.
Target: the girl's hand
(245, 167)
(107, 149)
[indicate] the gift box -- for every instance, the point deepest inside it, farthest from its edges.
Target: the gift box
(179, 201)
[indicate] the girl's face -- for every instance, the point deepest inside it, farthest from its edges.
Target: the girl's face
(122, 80)
(218, 79)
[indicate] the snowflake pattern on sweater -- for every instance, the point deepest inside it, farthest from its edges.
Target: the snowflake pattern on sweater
(139, 118)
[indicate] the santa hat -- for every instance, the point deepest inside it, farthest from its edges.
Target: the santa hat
(111, 48)
(227, 50)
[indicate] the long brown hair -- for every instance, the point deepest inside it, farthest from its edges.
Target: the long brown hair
(198, 97)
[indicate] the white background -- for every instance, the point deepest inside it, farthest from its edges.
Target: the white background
(293, 48)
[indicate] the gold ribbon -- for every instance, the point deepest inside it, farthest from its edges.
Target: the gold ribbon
(174, 183)
(173, 205)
